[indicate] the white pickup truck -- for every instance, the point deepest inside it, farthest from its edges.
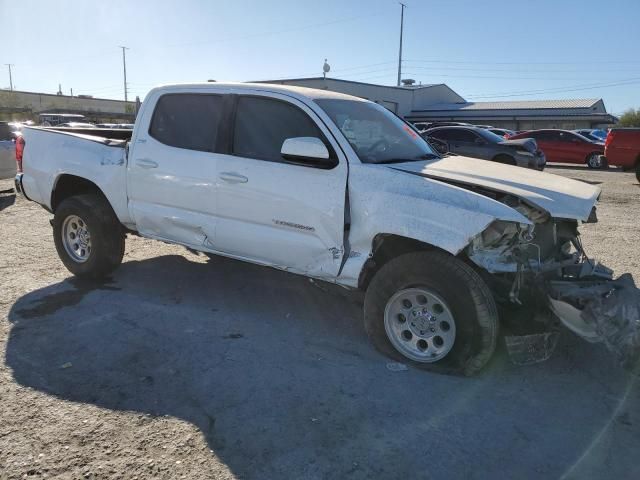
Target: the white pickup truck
(340, 189)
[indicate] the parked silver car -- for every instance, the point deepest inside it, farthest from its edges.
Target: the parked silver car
(8, 132)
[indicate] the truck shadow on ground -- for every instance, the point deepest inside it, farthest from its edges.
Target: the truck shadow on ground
(278, 375)
(6, 200)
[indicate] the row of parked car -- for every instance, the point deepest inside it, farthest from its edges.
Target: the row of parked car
(526, 149)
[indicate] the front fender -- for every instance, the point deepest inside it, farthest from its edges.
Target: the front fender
(384, 200)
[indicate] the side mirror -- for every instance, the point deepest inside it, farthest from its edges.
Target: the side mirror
(305, 150)
(479, 141)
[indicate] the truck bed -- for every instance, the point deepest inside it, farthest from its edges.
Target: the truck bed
(103, 133)
(51, 153)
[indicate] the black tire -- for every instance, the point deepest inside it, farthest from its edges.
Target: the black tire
(596, 163)
(107, 235)
(638, 172)
(468, 296)
(505, 159)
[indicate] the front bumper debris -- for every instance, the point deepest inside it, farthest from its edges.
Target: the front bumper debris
(532, 348)
(606, 311)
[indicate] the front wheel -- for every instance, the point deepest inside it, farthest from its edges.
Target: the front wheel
(88, 236)
(434, 311)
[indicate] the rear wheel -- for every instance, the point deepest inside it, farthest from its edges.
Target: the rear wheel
(638, 172)
(88, 236)
(432, 310)
(595, 160)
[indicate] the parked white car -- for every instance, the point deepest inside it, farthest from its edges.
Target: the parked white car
(335, 188)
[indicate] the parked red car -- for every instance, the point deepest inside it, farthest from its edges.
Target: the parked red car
(567, 147)
(622, 148)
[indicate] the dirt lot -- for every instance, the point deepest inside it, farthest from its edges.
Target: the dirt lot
(185, 367)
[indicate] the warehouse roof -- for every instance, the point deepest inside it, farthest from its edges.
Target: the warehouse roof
(578, 103)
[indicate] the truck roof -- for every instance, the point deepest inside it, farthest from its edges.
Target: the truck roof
(300, 92)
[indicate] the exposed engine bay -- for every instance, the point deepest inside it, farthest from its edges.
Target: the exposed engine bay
(543, 268)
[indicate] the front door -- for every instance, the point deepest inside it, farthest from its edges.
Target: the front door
(172, 169)
(276, 212)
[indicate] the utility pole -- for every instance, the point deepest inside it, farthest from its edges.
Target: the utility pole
(10, 77)
(402, 5)
(124, 67)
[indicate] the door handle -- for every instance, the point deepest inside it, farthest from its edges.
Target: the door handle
(146, 163)
(232, 177)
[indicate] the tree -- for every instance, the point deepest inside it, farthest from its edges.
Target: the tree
(630, 118)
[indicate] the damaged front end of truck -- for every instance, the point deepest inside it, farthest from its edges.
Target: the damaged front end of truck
(542, 277)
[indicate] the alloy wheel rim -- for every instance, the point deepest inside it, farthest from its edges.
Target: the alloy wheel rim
(420, 325)
(76, 238)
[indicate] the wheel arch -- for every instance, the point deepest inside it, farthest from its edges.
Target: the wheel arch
(67, 185)
(387, 246)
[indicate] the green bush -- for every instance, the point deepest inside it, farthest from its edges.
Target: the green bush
(630, 118)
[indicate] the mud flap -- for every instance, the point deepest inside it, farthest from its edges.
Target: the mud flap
(606, 311)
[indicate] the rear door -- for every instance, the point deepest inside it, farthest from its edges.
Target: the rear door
(274, 211)
(172, 168)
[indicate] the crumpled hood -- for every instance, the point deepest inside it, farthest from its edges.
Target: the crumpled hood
(561, 197)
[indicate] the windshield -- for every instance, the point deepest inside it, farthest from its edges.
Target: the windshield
(376, 134)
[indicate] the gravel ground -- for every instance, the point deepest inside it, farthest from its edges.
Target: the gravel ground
(185, 367)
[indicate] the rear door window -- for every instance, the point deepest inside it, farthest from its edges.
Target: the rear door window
(462, 135)
(442, 134)
(263, 124)
(547, 136)
(187, 120)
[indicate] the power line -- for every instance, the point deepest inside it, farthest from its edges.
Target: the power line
(274, 32)
(571, 88)
(483, 62)
(503, 77)
(493, 69)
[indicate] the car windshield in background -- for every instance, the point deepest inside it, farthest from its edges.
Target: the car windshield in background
(584, 138)
(490, 136)
(376, 134)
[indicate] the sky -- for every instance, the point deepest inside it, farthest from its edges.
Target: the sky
(484, 49)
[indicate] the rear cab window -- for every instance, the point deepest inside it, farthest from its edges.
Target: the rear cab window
(187, 120)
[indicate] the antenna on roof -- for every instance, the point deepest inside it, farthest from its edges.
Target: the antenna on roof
(325, 69)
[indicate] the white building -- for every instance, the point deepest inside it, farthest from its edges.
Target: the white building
(438, 102)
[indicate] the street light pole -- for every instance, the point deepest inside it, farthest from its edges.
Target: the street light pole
(10, 77)
(402, 5)
(124, 68)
